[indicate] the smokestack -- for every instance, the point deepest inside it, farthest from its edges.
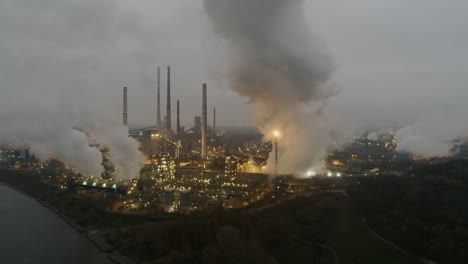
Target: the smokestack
(178, 116)
(204, 124)
(125, 109)
(214, 121)
(168, 113)
(158, 121)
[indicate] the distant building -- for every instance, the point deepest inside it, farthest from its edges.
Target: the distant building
(24, 153)
(230, 168)
(177, 201)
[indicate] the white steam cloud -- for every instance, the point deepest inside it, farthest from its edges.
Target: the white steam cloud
(374, 135)
(57, 71)
(276, 62)
(434, 135)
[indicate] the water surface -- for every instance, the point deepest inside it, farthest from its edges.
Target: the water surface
(31, 233)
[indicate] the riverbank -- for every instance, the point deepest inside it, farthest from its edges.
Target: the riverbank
(48, 206)
(31, 186)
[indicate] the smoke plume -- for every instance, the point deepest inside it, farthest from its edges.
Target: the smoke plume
(434, 135)
(275, 61)
(57, 74)
(374, 135)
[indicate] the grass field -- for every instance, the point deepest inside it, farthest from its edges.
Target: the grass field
(356, 245)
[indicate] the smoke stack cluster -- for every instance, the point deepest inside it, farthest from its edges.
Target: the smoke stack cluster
(204, 147)
(125, 107)
(168, 110)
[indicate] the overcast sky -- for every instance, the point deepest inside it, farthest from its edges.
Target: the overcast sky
(398, 60)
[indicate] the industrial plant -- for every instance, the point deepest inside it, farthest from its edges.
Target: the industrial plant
(186, 169)
(202, 166)
(194, 168)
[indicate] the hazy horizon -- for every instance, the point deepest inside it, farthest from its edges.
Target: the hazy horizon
(397, 63)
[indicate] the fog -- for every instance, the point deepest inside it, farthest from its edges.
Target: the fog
(63, 64)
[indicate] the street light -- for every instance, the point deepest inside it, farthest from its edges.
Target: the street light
(276, 134)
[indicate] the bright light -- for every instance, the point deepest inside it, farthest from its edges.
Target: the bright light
(338, 174)
(329, 174)
(276, 133)
(311, 173)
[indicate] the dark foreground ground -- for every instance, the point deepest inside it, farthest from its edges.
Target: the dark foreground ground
(321, 227)
(287, 232)
(427, 215)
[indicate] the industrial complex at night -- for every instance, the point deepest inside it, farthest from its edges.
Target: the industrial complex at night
(191, 169)
(204, 166)
(234, 132)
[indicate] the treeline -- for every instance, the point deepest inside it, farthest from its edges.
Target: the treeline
(426, 214)
(230, 236)
(215, 237)
(291, 231)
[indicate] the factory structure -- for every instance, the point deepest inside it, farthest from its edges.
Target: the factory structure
(206, 166)
(190, 169)
(159, 140)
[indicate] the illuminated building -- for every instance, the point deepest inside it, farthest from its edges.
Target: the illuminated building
(167, 168)
(230, 168)
(177, 200)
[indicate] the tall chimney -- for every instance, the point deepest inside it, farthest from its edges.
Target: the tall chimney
(178, 116)
(214, 121)
(158, 121)
(125, 109)
(168, 113)
(204, 151)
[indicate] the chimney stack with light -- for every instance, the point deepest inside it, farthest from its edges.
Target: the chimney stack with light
(125, 107)
(158, 120)
(168, 113)
(214, 121)
(204, 147)
(178, 116)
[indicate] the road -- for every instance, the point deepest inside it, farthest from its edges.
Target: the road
(330, 250)
(418, 259)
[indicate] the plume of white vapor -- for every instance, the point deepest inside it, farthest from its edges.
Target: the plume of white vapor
(434, 135)
(275, 61)
(58, 69)
(123, 150)
(374, 135)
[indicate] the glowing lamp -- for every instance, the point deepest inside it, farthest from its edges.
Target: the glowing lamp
(276, 133)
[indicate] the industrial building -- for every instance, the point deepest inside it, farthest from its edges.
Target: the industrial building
(193, 168)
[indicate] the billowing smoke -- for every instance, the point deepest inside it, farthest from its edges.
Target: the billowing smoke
(374, 135)
(124, 151)
(58, 73)
(275, 61)
(434, 135)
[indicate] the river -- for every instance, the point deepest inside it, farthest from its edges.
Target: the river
(31, 233)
